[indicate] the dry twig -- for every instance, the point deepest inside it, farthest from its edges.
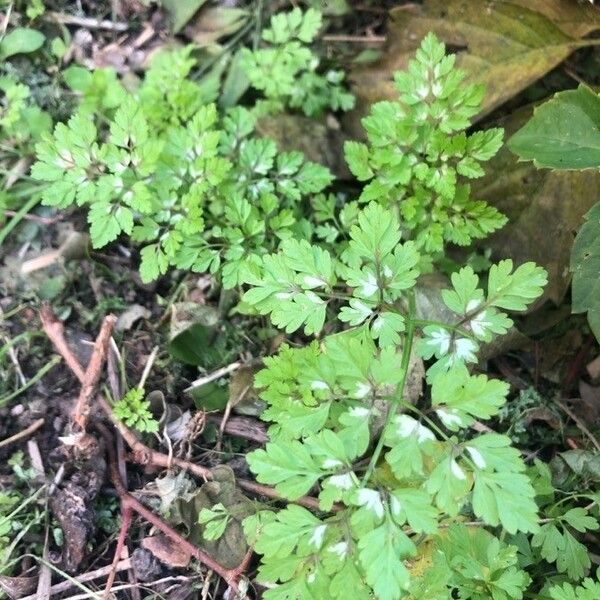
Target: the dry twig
(129, 503)
(87, 22)
(579, 423)
(92, 375)
(63, 586)
(142, 454)
(55, 331)
(357, 39)
(22, 434)
(214, 375)
(35, 218)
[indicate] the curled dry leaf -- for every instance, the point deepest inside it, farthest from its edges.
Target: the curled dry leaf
(243, 396)
(167, 551)
(129, 317)
(230, 549)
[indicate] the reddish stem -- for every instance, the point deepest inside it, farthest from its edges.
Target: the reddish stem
(81, 412)
(126, 514)
(142, 454)
(128, 502)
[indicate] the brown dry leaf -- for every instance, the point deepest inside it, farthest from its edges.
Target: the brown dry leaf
(167, 551)
(505, 44)
(230, 548)
(587, 406)
(243, 397)
(543, 414)
(573, 18)
(544, 209)
(130, 316)
(319, 141)
(593, 369)
(17, 587)
(556, 353)
(71, 506)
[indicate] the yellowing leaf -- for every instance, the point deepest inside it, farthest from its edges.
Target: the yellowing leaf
(506, 44)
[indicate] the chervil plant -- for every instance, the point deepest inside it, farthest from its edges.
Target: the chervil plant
(286, 70)
(390, 476)
(193, 187)
(134, 410)
(589, 590)
(21, 121)
(21, 125)
(417, 499)
(419, 156)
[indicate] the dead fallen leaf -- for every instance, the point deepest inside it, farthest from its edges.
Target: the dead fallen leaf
(556, 353)
(544, 209)
(172, 487)
(541, 413)
(145, 565)
(167, 551)
(593, 369)
(71, 507)
(129, 317)
(587, 406)
(181, 11)
(17, 587)
(230, 548)
(243, 397)
(574, 19)
(317, 140)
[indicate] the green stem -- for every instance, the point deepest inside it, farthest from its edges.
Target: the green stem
(8, 518)
(258, 16)
(429, 421)
(26, 335)
(404, 366)
(448, 326)
(23, 192)
(47, 367)
(12, 312)
(335, 295)
(6, 230)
